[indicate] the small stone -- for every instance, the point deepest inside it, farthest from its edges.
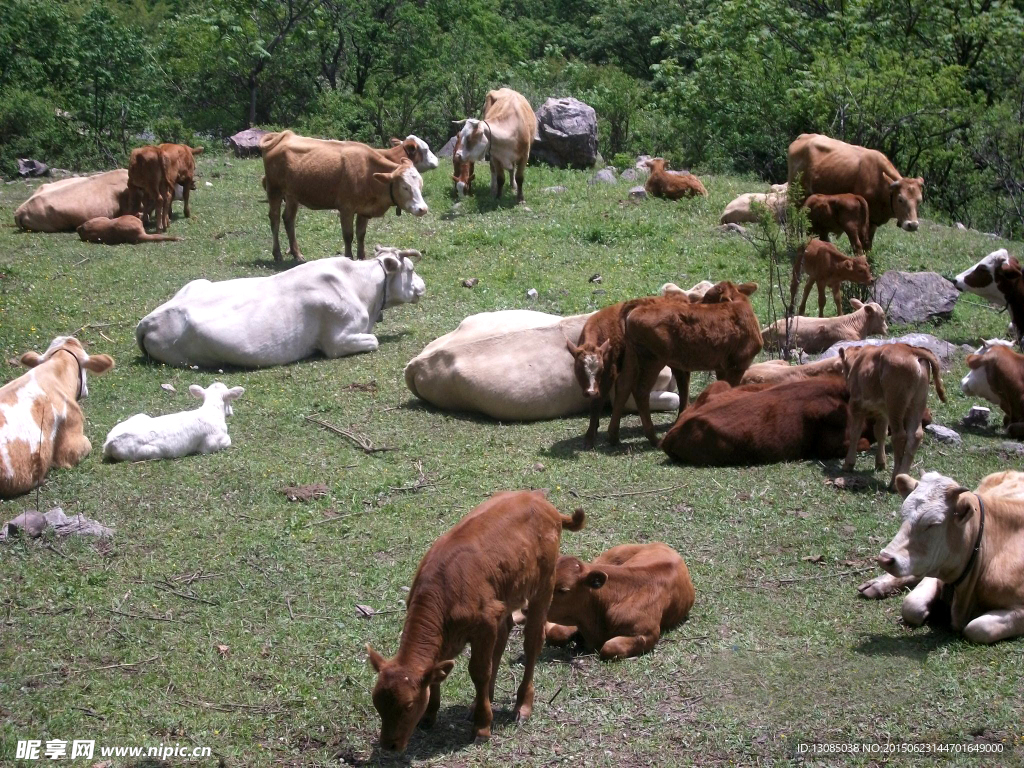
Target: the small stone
(168, 388)
(944, 434)
(553, 190)
(595, 278)
(470, 282)
(538, 467)
(977, 416)
(961, 227)
(600, 292)
(1012, 448)
(209, 184)
(532, 294)
(732, 227)
(604, 176)
(638, 193)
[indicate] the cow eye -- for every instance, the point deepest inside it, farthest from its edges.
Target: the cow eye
(563, 589)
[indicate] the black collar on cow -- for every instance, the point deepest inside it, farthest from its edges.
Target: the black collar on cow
(78, 391)
(391, 189)
(977, 545)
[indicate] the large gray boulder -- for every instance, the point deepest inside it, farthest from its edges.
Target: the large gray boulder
(247, 143)
(566, 134)
(913, 297)
(943, 350)
(28, 168)
(448, 149)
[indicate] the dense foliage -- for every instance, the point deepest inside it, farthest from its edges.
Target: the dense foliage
(936, 84)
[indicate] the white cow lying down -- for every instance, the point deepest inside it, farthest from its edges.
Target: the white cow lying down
(511, 365)
(328, 306)
(203, 430)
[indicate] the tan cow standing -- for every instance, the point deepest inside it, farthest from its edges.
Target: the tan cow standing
(40, 419)
(889, 383)
(63, 205)
(826, 166)
(355, 180)
(506, 131)
(149, 187)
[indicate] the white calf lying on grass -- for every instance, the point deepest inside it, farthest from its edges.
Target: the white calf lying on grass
(204, 430)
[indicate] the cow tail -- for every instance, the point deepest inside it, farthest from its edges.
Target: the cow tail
(196, 150)
(575, 522)
(140, 337)
(933, 364)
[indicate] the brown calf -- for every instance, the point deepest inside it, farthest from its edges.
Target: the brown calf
(149, 188)
(890, 383)
(180, 167)
(40, 419)
(119, 231)
(672, 186)
(623, 601)
(827, 266)
(498, 557)
(720, 334)
(1010, 283)
(464, 173)
(997, 374)
(839, 214)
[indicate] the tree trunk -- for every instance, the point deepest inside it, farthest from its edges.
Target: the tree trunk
(252, 102)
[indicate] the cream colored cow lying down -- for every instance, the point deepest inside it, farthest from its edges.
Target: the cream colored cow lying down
(511, 365)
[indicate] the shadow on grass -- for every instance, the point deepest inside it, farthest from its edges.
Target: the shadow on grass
(917, 645)
(630, 439)
(451, 733)
(271, 264)
(864, 481)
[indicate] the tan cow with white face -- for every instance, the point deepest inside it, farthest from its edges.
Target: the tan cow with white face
(505, 132)
(961, 547)
(40, 419)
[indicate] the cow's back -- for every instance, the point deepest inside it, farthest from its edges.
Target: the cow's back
(317, 173)
(511, 108)
(714, 336)
(64, 205)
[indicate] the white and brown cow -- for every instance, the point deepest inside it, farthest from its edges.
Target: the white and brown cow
(980, 279)
(961, 548)
(40, 419)
(506, 132)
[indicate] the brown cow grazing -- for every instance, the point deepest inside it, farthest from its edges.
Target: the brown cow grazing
(827, 166)
(621, 602)
(814, 334)
(720, 334)
(498, 557)
(839, 214)
(180, 167)
(463, 171)
(997, 374)
(964, 550)
(890, 384)
(346, 176)
(827, 266)
(671, 186)
(779, 371)
(506, 131)
(40, 418)
(119, 231)
(1010, 283)
(149, 187)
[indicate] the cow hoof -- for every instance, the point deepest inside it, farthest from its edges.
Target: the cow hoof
(298, 258)
(873, 590)
(847, 467)
(482, 736)
(523, 713)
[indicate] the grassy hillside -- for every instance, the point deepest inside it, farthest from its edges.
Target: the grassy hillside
(779, 650)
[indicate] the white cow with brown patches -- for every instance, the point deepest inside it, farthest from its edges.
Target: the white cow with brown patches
(960, 547)
(980, 279)
(40, 419)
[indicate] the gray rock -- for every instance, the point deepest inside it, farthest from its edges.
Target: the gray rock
(961, 227)
(913, 297)
(566, 134)
(604, 176)
(630, 174)
(247, 143)
(1012, 448)
(448, 149)
(31, 168)
(977, 416)
(944, 434)
(553, 190)
(733, 227)
(642, 169)
(638, 193)
(33, 524)
(943, 350)
(532, 294)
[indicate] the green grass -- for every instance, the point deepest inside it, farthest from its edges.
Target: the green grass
(778, 650)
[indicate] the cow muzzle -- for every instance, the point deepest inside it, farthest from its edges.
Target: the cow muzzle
(911, 226)
(887, 563)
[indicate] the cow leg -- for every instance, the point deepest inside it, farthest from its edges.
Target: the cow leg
(683, 387)
(885, 586)
(881, 434)
(995, 625)
(349, 344)
(917, 605)
(497, 178)
(596, 406)
(275, 222)
(347, 232)
(642, 396)
(914, 433)
(734, 376)
(807, 292)
(559, 634)
(624, 646)
(361, 222)
(821, 299)
(186, 190)
(871, 236)
(835, 298)
(482, 650)
(70, 445)
(533, 641)
(855, 430)
(291, 210)
(433, 705)
(504, 628)
(520, 172)
(623, 388)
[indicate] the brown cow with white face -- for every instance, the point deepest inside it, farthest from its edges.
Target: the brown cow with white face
(962, 548)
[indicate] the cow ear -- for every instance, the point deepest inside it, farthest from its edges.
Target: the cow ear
(974, 361)
(856, 303)
(596, 579)
(395, 142)
(963, 504)
(460, 123)
(893, 186)
(234, 393)
(603, 349)
(747, 289)
(197, 391)
(98, 364)
(920, 180)
(905, 484)
(391, 263)
(382, 178)
(376, 660)
(410, 148)
(573, 349)
(30, 359)
(440, 671)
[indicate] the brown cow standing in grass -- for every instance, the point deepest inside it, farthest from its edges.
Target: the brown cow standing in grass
(827, 266)
(149, 187)
(720, 334)
(180, 168)
(890, 384)
(498, 557)
(621, 602)
(506, 131)
(40, 418)
(841, 214)
(997, 374)
(671, 186)
(346, 176)
(120, 231)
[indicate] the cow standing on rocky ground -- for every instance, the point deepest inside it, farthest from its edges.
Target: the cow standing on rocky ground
(825, 166)
(827, 267)
(506, 131)
(351, 178)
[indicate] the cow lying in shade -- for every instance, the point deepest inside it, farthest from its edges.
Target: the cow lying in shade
(62, 205)
(963, 549)
(621, 602)
(511, 365)
(328, 306)
(816, 334)
(997, 374)
(40, 418)
(494, 560)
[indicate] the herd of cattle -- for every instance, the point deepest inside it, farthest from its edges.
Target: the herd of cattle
(957, 546)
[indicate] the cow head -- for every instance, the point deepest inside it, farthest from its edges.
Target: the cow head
(977, 382)
(401, 696)
(1009, 279)
(727, 291)
(589, 364)
(474, 138)
(418, 152)
(404, 286)
(856, 271)
(874, 317)
(406, 187)
(904, 197)
(981, 278)
(94, 363)
(575, 581)
(654, 164)
(933, 539)
(217, 392)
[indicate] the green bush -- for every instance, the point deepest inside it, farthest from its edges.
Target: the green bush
(30, 126)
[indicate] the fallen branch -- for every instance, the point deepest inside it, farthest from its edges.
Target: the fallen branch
(625, 493)
(141, 616)
(96, 669)
(334, 519)
(165, 587)
(361, 440)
